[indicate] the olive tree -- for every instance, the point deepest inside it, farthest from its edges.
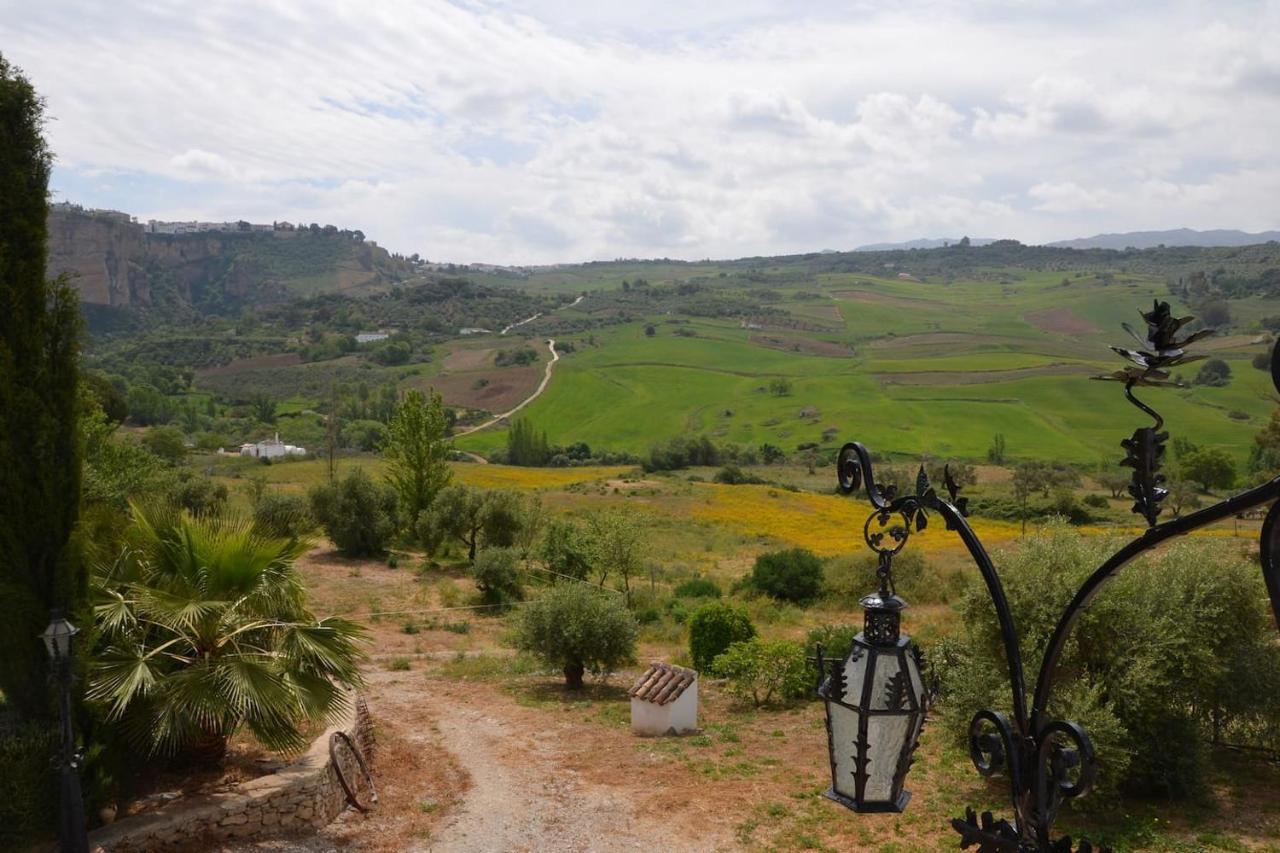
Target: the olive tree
(577, 628)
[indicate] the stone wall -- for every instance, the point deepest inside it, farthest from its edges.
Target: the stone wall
(300, 798)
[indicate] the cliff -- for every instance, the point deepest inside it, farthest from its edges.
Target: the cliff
(116, 263)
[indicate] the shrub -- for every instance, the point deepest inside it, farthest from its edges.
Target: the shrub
(791, 575)
(577, 627)
(282, 515)
(1215, 372)
(496, 572)
(714, 627)
(1149, 667)
(241, 651)
(762, 670)
(834, 639)
(847, 579)
(1261, 360)
(28, 795)
(564, 550)
(199, 496)
(1096, 501)
(358, 514)
(166, 442)
(732, 475)
(698, 587)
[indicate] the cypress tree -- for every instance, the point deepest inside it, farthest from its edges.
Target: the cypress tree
(39, 374)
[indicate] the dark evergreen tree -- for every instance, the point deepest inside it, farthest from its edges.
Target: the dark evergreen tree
(39, 452)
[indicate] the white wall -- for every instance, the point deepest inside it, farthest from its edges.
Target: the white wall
(681, 715)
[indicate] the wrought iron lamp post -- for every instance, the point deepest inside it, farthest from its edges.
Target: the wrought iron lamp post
(72, 835)
(1046, 761)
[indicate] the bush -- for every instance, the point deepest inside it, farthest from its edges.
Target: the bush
(1215, 373)
(283, 516)
(578, 628)
(497, 575)
(847, 579)
(834, 639)
(713, 628)
(358, 514)
(791, 575)
(1096, 501)
(732, 475)
(199, 496)
(1149, 666)
(762, 670)
(28, 793)
(698, 588)
(167, 442)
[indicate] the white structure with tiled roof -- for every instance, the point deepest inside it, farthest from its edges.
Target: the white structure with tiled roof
(665, 701)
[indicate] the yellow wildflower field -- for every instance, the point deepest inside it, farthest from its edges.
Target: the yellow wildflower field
(832, 524)
(511, 477)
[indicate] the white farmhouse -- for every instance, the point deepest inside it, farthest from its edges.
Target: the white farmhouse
(371, 337)
(665, 701)
(271, 448)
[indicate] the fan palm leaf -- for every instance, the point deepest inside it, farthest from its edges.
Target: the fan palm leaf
(205, 631)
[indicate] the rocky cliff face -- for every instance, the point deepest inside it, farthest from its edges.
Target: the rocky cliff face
(104, 257)
(116, 263)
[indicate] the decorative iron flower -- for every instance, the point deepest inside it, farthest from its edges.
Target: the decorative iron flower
(1159, 351)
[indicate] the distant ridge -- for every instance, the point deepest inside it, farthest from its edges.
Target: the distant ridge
(925, 243)
(1175, 237)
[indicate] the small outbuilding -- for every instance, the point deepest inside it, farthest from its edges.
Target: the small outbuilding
(665, 701)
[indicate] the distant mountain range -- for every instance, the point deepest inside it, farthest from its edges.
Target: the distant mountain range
(1176, 237)
(1125, 240)
(925, 243)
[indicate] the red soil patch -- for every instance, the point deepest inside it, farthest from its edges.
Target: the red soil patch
(808, 346)
(506, 387)
(1063, 321)
(469, 358)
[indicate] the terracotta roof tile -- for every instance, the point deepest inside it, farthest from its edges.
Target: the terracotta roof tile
(663, 683)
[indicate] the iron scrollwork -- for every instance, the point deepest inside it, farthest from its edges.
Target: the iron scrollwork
(1048, 762)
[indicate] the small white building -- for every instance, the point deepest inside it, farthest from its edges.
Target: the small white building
(371, 337)
(271, 448)
(665, 701)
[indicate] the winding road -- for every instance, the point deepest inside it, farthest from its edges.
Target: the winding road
(542, 386)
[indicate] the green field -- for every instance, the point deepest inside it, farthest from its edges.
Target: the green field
(935, 368)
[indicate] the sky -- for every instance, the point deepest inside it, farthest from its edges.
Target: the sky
(545, 132)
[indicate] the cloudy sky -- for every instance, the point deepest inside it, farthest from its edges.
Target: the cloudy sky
(540, 132)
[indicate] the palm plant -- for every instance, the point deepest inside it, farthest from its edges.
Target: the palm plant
(204, 630)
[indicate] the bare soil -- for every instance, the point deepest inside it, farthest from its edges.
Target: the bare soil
(1063, 321)
(808, 346)
(506, 387)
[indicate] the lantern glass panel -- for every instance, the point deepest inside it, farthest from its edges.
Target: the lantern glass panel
(844, 740)
(886, 735)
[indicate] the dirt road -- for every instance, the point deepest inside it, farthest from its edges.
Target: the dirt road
(542, 386)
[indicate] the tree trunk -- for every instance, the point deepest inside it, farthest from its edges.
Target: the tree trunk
(208, 751)
(573, 675)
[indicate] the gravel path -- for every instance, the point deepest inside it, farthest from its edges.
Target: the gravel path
(522, 800)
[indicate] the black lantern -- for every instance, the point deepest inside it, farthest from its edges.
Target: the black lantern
(58, 636)
(875, 698)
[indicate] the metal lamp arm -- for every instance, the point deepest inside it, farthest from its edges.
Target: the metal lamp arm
(1008, 630)
(1149, 539)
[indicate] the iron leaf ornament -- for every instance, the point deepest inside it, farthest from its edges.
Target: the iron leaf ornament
(1158, 352)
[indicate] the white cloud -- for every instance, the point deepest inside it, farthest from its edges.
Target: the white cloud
(565, 132)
